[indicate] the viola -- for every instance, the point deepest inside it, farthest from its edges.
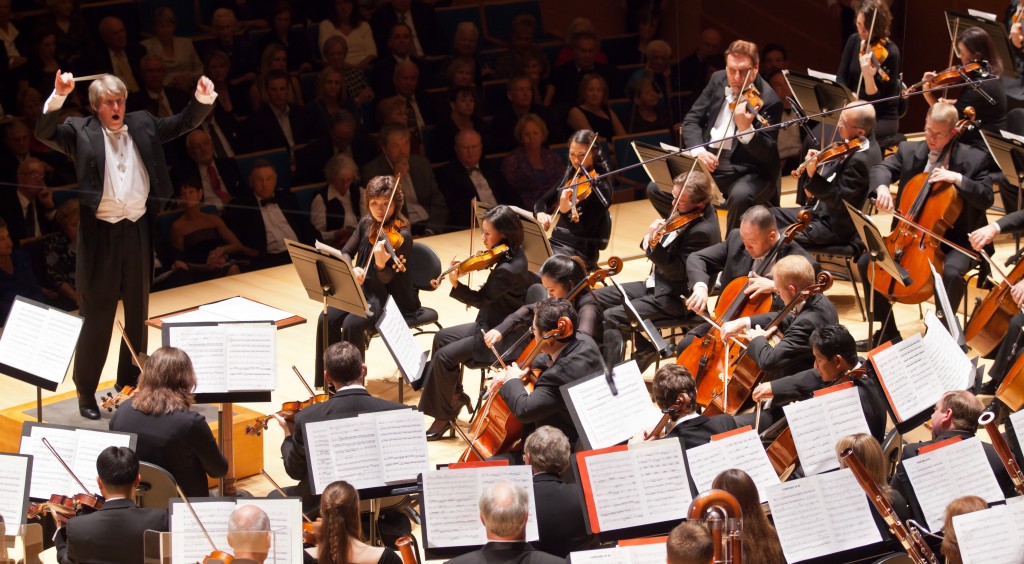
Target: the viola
(287, 411)
(933, 208)
(480, 261)
(112, 401)
(836, 151)
(752, 97)
(67, 506)
(954, 75)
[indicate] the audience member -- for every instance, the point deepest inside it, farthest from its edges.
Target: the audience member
(115, 55)
(658, 69)
(960, 506)
(543, 89)
(237, 47)
(696, 69)
(400, 50)
(465, 44)
(532, 168)
(592, 110)
(690, 543)
(66, 23)
(418, 113)
(428, 39)
(345, 138)
(521, 43)
(43, 62)
(467, 177)
(760, 540)
(181, 61)
(346, 21)
(18, 148)
(16, 276)
(278, 123)
(153, 96)
(335, 210)
(9, 38)
(463, 115)
(576, 27)
(232, 99)
(519, 102)
(28, 210)
(202, 243)
(567, 77)
(460, 72)
(773, 57)
(218, 177)
(504, 510)
(300, 54)
(560, 520)
(425, 206)
(647, 24)
(340, 532)
(275, 58)
(355, 85)
(249, 535)
(648, 113)
(60, 256)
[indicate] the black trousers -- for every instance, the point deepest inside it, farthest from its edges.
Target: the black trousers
(345, 326)
(115, 262)
(743, 191)
(817, 233)
(452, 347)
(617, 327)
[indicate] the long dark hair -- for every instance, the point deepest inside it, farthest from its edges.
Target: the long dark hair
(166, 385)
(506, 221)
(978, 41)
(381, 187)
(760, 540)
(339, 511)
(565, 270)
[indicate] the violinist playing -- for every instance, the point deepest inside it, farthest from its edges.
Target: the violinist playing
(375, 267)
(966, 168)
(660, 296)
(746, 168)
(828, 184)
(870, 78)
(502, 294)
(571, 358)
(115, 532)
(344, 369)
(587, 234)
(693, 428)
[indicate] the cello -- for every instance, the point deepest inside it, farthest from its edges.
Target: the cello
(746, 374)
(928, 206)
(704, 354)
(991, 319)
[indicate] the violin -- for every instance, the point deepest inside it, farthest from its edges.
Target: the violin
(392, 240)
(954, 75)
(67, 506)
(930, 206)
(480, 261)
(675, 223)
(752, 97)
(111, 401)
(682, 403)
(218, 557)
(835, 151)
(878, 55)
(287, 411)
(494, 428)
(581, 190)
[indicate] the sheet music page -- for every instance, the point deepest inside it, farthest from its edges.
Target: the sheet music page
(206, 348)
(250, 356)
(48, 476)
(195, 316)
(400, 341)
(743, 451)
(940, 476)
(88, 446)
(285, 516)
(13, 481)
(403, 444)
(990, 535)
(833, 505)
(607, 419)
(978, 13)
(1011, 136)
(616, 490)
(656, 553)
(666, 486)
(1017, 420)
(900, 367)
(345, 449)
(242, 309)
(951, 368)
(597, 556)
(188, 544)
(818, 424)
(321, 246)
(947, 310)
(519, 475)
(451, 499)
(28, 326)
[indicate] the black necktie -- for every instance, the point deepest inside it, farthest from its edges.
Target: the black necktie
(268, 201)
(30, 220)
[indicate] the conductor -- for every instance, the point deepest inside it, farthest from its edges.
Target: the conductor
(123, 183)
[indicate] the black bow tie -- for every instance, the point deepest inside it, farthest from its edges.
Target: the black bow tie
(268, 201)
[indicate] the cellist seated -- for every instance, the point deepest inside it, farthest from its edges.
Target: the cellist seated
(793, 353)
(693, 428)
(572, 357)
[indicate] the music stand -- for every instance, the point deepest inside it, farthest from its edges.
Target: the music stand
(994, 29)
(1007, 150)
(646, 326)
(879, 254)
(817, 95)
(535, 240)
(662, 170)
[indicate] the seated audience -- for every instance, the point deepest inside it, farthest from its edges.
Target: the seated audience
(345, 137)
(648, 114)
(240, 51)
(202, 242)
(463, 115)
(357, 85)
(532, 168)
(278, 123)
(658, 70)
(425, 205)
(218, 177)
(576, 27)
(28, 210)
(293, 39)
(114, 55)
(232, 99)
(568, 76)
(181, 61)
(521, 44)
(154, 96)
(426, 35)
(592, 110)
(335, 210)
(466, 177)
(519, 102)
(275, 58)
(16, 276)
(465, 45)
(348, 23)
(399, 50)
(61, 255)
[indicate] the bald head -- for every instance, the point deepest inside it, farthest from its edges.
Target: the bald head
(504, 509)
(249, 532)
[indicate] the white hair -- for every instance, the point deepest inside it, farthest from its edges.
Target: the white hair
(504, 508)
(105, 85)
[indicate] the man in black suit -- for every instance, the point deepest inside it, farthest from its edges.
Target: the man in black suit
(696, 69)
(116, 55)
(17, 147)
(115, 532)
(399, 50)
(575, 357)
(468, 177)
(345, 371)
(792, 275)
(827, 187)
(264, 218)
(424, 203)
(662, 298)
(277, 124)
(966, 168)
(118, 213)
(746, 168)
(566, 77)
(835, 355)
(504, 511)
(241, 51)
(519, 95)
(692, 428)
(29, 209)
(560, 513)
(154, 97)
(219, 177)
(428, 38)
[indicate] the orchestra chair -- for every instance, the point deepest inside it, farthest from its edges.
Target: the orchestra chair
(156, 488)
(840, 260)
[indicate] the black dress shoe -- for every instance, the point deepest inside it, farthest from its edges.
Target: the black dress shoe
(436, 432)
(89, 412)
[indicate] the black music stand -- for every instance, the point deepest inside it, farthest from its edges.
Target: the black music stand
(662, 170)
(646, 326)
(995, 29)
(817, 95)
(1008, 152)
(536, 243)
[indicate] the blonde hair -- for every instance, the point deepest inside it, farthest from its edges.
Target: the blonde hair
(944, 112)
(959, 506)
(740, 48)
(870, 454)
(794, 270)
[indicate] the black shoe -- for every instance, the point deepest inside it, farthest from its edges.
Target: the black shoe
(92, 413)
(464, 401)
(436, 432)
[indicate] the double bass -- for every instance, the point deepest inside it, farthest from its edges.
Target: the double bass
(933, 206)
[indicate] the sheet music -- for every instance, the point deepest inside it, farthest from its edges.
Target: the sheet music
(654, 553)
(285, 520)
(991, 535)
(321, 246)
(607, 419)
(818, 424)
(743, 451)
(1017, 420)
(401, 342)
(451, 503)
(250, 361)
(403, 444)
(48, 476)
(242, 309)
(917, 371)
(822, 75)
(833, 505)
(195, 316)
(978, 13)
(205, 347)
(947, 310)
(940, 476)
(88, 446)
(1011, 136)
(39, 340)
(188, 544)
(13, 483)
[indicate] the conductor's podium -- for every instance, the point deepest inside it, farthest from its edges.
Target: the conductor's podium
(62, 409)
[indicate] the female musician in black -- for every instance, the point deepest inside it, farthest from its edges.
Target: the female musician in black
(588, 236)
(502, 293)
(863, 70)
(379, 276)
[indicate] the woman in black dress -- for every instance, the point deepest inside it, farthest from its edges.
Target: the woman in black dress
(861, 75)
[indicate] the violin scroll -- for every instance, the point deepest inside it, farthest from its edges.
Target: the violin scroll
(112, 401)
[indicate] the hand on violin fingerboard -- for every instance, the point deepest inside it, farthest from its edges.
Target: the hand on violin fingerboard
(287, 426)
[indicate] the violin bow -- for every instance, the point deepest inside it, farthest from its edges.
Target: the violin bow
(953, 51)
(192, 510)
(303, 380)
(495, 351)
(131, 349)
(934, 235)
(572, 184)
(866, 48)
(47, 444)
(281, 491)
(732, 122)
(387, 212)
(675, 201)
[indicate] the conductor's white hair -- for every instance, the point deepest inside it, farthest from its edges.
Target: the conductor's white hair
(504, 507)
(106, 85)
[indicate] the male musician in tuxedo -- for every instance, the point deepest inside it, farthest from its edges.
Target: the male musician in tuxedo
(573, 357)
(123, 183)
(249, 535)
(747, 168)
(793, 275)
(468, 177)
(504, 510)
(424, 202)
(741, 254)
(835, 354)
(560, 512)
(219, 176)
(963, 166)
(955, 416)
(690, 543)
(345, 371)
(692, 428)
(115, 532)
(825, 188)
(264, 218)
(660, 296)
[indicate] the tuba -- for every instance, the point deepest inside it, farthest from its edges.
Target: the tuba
(720, 512)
